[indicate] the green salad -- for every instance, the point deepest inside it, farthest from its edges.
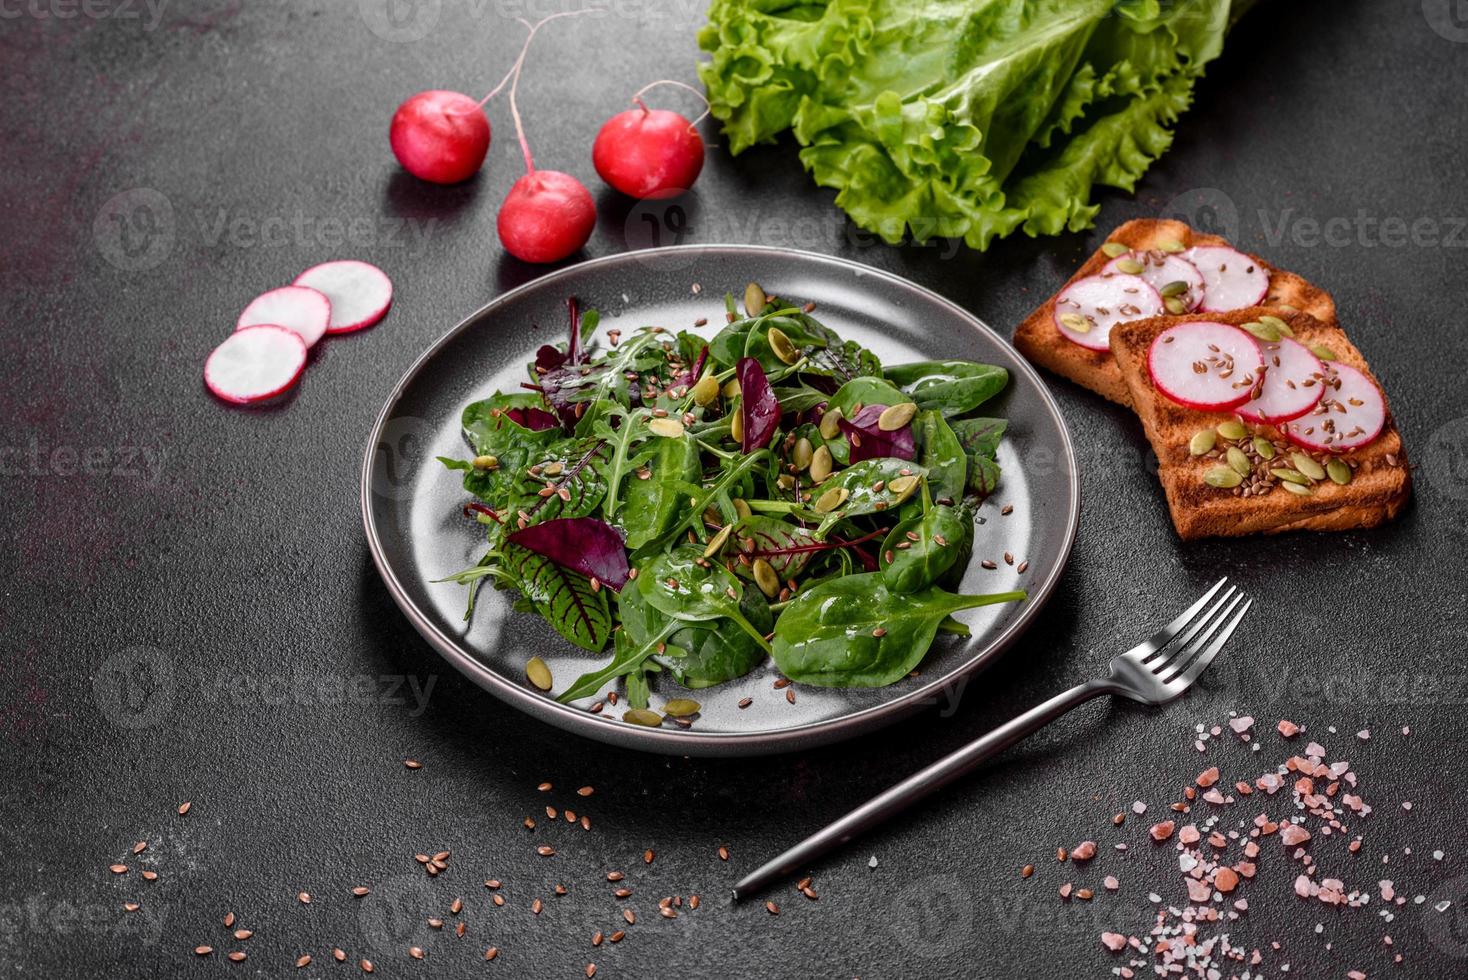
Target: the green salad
(695, 506)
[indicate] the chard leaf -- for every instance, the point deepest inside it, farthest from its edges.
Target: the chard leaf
(564, 598)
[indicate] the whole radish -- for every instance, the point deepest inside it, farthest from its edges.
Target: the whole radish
(649, 153)
(440, 136)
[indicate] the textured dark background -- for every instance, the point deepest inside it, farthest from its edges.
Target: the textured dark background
(190, 612)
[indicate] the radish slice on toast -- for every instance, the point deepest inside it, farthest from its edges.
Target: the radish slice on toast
(1291, 386)
(1205, 365)
(301, 310)
(1351, 413)
(255, 363)
(360, 293)
(1087, 309)
(1161, 270)
(1231, 280)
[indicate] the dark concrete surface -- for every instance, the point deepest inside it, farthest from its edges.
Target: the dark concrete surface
(190, 613)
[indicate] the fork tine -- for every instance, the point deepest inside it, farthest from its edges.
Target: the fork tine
(1173, 628)
(1191, 631)
(1185, 658)
(1195, 670)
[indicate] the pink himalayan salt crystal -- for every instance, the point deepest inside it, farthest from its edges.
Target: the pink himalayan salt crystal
(1288, 729)
(1113, 941)
(1207, 777)
(1269, 782)
(1083, 851)
(1241, 724)
(1387, 891)
(1189, 834)
(1161, 831)
(1139, 807)
(1213, 796)
(1065, 890)
(1315, 749)
(1302, 886)
(1111, 883)
(1291, 834)
(1364, 734)
(1199, 891)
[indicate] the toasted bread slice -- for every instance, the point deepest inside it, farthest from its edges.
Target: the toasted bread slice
(1042, 342)
(1380, 481)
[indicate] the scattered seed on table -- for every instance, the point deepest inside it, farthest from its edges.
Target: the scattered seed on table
(139, 846)
(647, 856)
(745, 702)
(630, 917)
(585, 791)
(596, 938)
(456, 906)
(498, 899)
(492, 952)
(590, 970)
(693, 901)
(1026, 871)
(203, 950)
(130, 906)
(367, 966)
(616, 937)
(585, 822)
(536, 906)
(185, 807)
(615, 876)
(545, 850)
(416, 952)
(228, 919)
(361, 890)
(459, 930)
(560, 889)
(668, 913)
(622, 892)
(243, 933)
(118, 869)
(303, 960)
(551, 812)
(412, 764)
(544, 787)
(150, 875)
(723, 853)
(237, 956)
(303, 897)
(790, 694)
(772, 908)
(339, 954)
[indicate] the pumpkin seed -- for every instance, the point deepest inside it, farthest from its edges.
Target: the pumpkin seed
(706, 390)
(1290, 476)
(681, 707)
(1298, 489)
(903, 485)
(1308, 466)
(1262, 331)
(538, 673)
(831, 499)
(1233, 429)
(741, 507)
(667, 428)
(785, 481)
(642, 716)
(1238, 461)
(1130, 266)
(1202, 442)
(1323, 352)
(486, 463)
(1175, 306)
(1076, 322)
(895, 417)
(754, 299)
(1171, 245)
(765, 577)
(1339, 472)
(821, 464)
(1278, 324)
(830, 424)
(716, 543)
(802, 453)
(1175, 288)
(1263, 447)
(731, 388)
(1223, 477)
(736, 425)
(1114, 250)
(781, 345)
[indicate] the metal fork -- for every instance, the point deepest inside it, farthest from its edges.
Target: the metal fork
(1154, 672)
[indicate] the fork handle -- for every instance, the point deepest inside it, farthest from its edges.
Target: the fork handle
(921, 785)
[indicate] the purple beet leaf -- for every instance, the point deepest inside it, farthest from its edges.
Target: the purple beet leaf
(532, 418)
(758, 403)
(868, 441)
(586, 545)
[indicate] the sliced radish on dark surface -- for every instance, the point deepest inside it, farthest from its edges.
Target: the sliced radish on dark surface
(1162, 272)
(304, 311)
(1205, 365)
(1087, 309)
(1231, 280)
(1292, 384)
(1350, 414)
(360, 293)
(255, 363)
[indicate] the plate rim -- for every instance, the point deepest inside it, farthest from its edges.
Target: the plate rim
(686, 743)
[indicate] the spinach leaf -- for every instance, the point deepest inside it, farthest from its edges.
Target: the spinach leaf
(919, 550)
(980, 437)
(799, 398)
(495, 424)
(952, 387)
(569, 480)
(652, 505)
(564, 598)
(861, 483)
(701, 500)
(719, 651)
(865, 391)
(854, 632)
(684, 585)
(942, 455)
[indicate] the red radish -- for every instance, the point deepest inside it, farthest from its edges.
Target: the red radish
(1231, 280)
(1162, 270)
(300, 309)
(255, 363)
(647, 153)
(1351, 413)
(360, 293)
(440, 136)
(1087, 309)
(1205, 365)
(1291, 385)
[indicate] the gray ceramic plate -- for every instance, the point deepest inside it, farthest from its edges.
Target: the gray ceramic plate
(412, 506)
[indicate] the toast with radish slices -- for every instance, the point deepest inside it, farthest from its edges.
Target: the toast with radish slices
(1262, 421)
(1148, 268)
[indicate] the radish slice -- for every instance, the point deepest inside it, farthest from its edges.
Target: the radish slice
(255, 363)
(1350, 414)
(1087, 309)
(1205, 365)
(1161, 270)
(1291, 387)
(301, 310)
(359, 293)
(1231, 280)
